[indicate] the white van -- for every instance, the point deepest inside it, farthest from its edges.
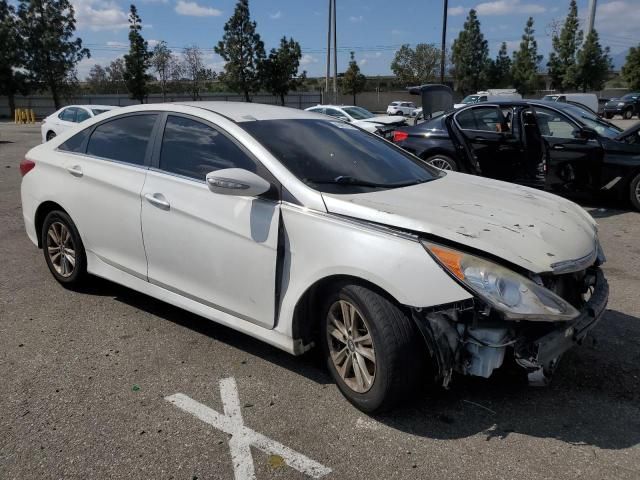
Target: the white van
(491, 95)
(589, 100)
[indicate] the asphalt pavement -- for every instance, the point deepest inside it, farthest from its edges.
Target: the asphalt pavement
(88, 384)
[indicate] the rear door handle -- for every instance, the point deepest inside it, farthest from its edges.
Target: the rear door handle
(157, 200)
(75, 170)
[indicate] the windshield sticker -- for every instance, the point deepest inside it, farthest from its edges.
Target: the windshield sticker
(344, 126)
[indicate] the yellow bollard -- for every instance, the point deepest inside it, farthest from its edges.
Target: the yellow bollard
(25, 118)
(16, 114)
(32, 116)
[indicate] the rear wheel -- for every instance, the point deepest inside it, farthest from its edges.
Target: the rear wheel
(63, 249)
(628, 114)
(371, 347)
(443, 162)
(634, 192)
(50, 135)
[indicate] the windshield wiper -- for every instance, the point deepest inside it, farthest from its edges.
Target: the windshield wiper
(348, 180)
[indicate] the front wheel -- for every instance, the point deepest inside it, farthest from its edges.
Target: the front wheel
(634, 192)
(63, 249)
(608, 116)
(371, 347)
(443, 162)
(627, 114)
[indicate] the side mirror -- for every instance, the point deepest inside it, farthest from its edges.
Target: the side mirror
(588, 133)
(237, 181)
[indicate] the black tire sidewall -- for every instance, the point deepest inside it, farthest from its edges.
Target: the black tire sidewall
(627, 114)
(81, 259)
(635, 201)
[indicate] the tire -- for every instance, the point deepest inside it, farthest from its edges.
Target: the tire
(50, 135)
(59, 231)
(627, 114)
(634, 192)
(608, 115)
(443, 162)
(395, 345)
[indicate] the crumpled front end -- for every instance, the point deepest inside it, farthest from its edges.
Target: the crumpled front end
(472, 338)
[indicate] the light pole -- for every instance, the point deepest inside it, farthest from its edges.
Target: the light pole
(326, 83)
(444, 40)
(335, 56)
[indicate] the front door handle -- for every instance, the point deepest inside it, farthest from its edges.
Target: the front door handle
(75, 170)
(558, 147)
(157, 200)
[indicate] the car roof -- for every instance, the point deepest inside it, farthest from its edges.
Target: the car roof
(246, 112)
(100, 107)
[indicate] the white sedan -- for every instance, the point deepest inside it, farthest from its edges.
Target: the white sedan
(68, 117)
(305, 231)
(383, 125)
(401, 108)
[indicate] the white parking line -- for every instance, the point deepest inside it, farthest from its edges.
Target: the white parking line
(242, 437)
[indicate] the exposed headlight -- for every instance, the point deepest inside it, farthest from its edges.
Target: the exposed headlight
(515, 296)
(621, 104)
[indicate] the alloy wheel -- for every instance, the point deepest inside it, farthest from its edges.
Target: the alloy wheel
(61, 249)
(351, 346)
(440, 163)
(637, 192)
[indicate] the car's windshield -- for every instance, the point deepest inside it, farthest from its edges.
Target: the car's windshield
(591, 120)
(335, 157)
(630, 96)
(358, 113)
(471, 99)
(98, 111)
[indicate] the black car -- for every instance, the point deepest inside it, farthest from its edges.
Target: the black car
(554, 146)
(628, 105)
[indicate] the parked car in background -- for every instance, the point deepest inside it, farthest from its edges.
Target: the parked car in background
(628, 105)
(300, 230)
(417, 113)
(68, 117)
(401, 108)
(380, 124)
(549, 145)
(589, 100)
(491, 95)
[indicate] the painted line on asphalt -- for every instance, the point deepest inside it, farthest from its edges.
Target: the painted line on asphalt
(243, 437)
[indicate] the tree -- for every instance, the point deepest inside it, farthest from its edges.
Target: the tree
(594, 63)
(193, 68)
(136, 62)
(163, 61)
(115, 75)
(51, 53)
(499, 72)
(353, 81)
(12, 81)
(631, 69)
(524, 70)
(562, 63)
(415, 67)
(243, 52)
(279, 71)
(470, 56)
(98, 79)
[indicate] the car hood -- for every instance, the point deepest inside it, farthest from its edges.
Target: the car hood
(385, 119)
(629, 131)
(538, 231)
(614, 102)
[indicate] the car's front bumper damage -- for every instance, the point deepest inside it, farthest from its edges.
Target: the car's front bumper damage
(471, 339)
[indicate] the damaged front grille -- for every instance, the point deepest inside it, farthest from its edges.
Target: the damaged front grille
(575, 287)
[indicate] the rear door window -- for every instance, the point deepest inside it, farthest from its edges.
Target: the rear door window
(76, 144)
(82, 115)
(332, 112)
(192, 149)
(124, 139)
(486, 119)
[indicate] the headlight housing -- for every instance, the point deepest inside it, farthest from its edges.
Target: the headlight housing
(514, 295)
(621, 104)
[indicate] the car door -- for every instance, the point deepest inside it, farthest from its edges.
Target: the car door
(103, 195)
(573, 162)
(219, 250)
(493, 147)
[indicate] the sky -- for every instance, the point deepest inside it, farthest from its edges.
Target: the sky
(373, 29)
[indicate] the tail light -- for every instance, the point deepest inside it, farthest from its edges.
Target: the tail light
(26, 166)
(399, 136)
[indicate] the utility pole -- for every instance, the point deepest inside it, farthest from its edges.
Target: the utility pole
(443, 53)
(592, 15)
(326, 83)
(335, 56)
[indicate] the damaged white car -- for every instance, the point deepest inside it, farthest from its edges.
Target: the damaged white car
(301, 230)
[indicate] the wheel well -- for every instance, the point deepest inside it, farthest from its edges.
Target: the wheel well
(41, 213)
(307, 313)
